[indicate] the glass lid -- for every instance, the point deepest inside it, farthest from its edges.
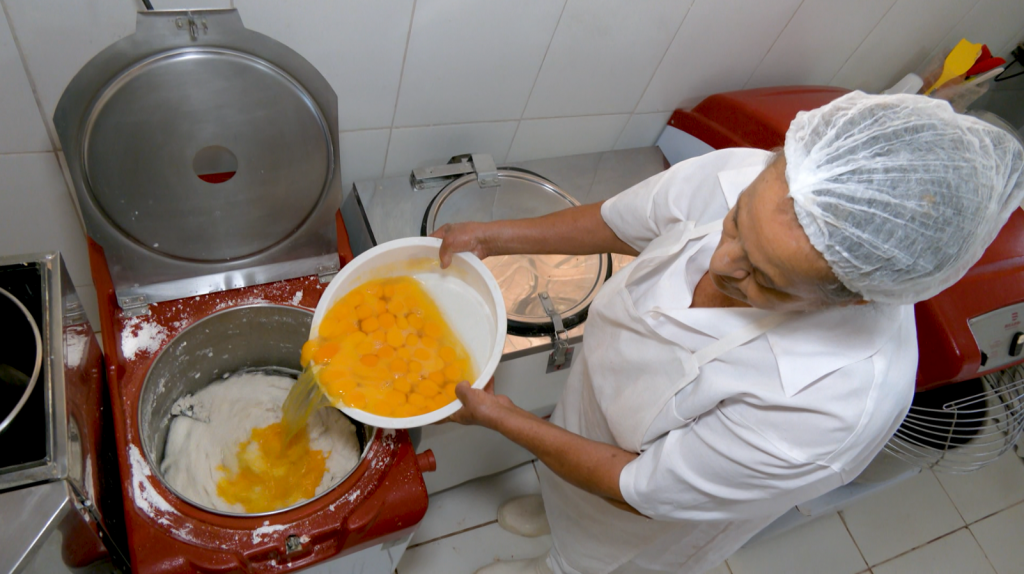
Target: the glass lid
(571, 281)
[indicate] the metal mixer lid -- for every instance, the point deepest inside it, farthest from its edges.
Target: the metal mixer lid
(200, 149)
(571, 281)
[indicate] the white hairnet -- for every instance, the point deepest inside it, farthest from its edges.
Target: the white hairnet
(900, 194)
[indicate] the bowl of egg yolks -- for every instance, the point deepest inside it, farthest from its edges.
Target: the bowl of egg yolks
(394, 333)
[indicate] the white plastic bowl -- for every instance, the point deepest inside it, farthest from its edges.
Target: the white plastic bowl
(466, 293)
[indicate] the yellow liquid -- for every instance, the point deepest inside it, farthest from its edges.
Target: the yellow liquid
(385, 348)
(273, 472)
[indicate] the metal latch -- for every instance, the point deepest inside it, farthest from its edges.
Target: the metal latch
(561, 356)
(134, 305)
(438, 176)
(74, 313)
(193, 25)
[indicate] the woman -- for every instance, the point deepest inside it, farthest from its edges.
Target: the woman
(761, 349)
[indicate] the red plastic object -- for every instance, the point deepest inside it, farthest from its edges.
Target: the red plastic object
(426, 461)
(947, 350)
(751, 118)
(984, 63)
(383, 499)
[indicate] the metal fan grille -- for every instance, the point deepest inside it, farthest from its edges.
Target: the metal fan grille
(965, 434)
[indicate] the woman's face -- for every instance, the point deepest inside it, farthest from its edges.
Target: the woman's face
(764, 258)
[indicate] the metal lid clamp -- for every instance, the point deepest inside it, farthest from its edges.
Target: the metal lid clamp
(480, 164)
(561, 356)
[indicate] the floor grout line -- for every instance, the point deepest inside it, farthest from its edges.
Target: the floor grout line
(452, 534)
(842, 519)
(920, 546)
(982, 548)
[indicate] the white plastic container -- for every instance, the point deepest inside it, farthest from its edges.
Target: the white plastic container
(466, 293)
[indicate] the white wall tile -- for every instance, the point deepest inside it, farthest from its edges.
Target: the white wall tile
(717, 48)
(991, 22)
(473, 61)
(556, 137)
(57, 38)
(435, 145)
(642, 130)
(474, 503)
(999, 536)
(362, 156)
(957, 552)
(1005, 50)
(603, 54)
(358, 46)
(901, 518)
(822, 545)
(816, 43)
(36, 213)
(21, 126)
(900, 43)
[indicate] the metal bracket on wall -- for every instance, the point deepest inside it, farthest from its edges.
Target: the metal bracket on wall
(438, 176)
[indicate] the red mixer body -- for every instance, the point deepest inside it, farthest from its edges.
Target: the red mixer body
(947, 350)
(381, 501)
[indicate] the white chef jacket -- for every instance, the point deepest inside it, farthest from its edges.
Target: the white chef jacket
(775, 422)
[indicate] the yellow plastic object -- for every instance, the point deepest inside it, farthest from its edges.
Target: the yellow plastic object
(959, 60)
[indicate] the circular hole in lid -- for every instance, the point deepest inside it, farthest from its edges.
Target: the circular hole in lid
(215, 164)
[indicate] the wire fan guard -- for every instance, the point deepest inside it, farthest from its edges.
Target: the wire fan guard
(965, 434)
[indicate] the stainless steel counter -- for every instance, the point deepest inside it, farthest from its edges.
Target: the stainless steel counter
(390, 208)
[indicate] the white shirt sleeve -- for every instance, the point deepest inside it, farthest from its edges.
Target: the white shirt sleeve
(720, 468)
(688, 191)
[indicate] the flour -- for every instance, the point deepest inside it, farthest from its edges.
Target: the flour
(233, 407)
(145, 497)
(257, 535)
(141, 335)
(75, 342)
(297, 298)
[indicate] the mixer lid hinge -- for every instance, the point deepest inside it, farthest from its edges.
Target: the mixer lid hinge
(134, 305)
(438, 176)
(327, 272)
(560, 338)
(193, 25)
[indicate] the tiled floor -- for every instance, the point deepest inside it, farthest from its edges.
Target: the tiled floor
(931, 523)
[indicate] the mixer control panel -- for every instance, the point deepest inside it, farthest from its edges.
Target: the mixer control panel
(1000, 336)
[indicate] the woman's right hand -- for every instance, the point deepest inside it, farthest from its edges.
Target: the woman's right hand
(461, 237)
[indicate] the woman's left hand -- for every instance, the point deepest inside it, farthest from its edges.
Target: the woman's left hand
(480, 406)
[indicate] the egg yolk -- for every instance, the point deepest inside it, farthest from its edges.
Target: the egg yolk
(385, 348)
(273, 473)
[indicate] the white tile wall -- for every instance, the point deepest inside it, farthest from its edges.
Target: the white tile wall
(817, 41)
(21, 128)
(899, 43)
(420, 80)
(358, 46)
(566, 136)
(992, 22)
(718, 47)
(362, 156)
(423, 147)
(603, 54)
(472, 61)
(37, 212)
(642, 130)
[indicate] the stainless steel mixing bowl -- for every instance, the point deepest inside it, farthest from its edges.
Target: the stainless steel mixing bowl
(254, 337)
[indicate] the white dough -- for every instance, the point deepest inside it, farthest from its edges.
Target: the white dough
(230, 410)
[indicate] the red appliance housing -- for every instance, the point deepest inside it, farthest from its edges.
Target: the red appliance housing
(383, 499)
(948, 351)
